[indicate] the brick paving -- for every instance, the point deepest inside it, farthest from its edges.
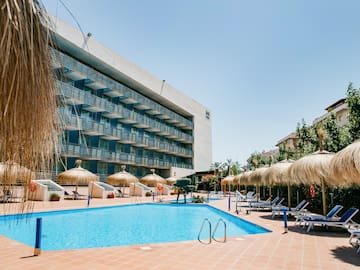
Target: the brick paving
(275, 250)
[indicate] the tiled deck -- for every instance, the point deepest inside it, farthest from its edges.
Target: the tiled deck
(276, 250)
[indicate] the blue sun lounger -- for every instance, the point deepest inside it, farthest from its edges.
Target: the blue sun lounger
(355, 234)
(344, 222)
(331, 215)
(300, 208)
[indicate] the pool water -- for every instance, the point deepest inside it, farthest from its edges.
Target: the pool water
(121, 226)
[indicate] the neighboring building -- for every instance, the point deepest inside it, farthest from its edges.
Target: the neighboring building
(339, 108)
(341, 111)
(289, 142)
(116, 113)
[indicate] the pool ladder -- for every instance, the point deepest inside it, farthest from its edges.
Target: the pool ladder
(212, 236)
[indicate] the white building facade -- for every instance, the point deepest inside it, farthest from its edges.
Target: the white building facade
(116, 113)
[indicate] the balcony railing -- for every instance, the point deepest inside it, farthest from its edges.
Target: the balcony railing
(92, 127)
(126, 94)
(97, 104)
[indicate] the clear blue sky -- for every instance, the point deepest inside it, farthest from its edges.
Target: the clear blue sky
(260, 66)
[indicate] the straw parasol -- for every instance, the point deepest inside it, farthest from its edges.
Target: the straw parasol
(236, 181)
(122, 178)
(313, 168)
(77, 176)
(242, 178)
(255, 178)
(345, 165)
(228, 180)
(152, 179)
(171, 180)
(278, 174)
(11, 173)
(28, 126)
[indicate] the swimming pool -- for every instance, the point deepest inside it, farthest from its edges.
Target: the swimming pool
(120, 225)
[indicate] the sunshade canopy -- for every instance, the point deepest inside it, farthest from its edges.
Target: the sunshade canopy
(77, 176)
(171, 180)
(11, 173)
(345, 165)
(228, 180)
(122, 178)
(255, 177)
(152, 179)
(278, 173)
(312, 169)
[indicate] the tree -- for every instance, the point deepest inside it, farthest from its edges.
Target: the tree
(257, 160)
(236, 168)
(353, 101)
(308, 141)
(336, 137)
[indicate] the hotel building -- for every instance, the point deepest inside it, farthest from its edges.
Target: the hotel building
(116, 113)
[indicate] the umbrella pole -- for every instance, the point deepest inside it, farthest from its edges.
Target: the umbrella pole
(323, 191)
(270, 192)
(289, 195)
(77, 183)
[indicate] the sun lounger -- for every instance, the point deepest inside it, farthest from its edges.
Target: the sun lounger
(355, 234)
(6, 197)
(78, 196)
(250, 196)
(265, 204)
(300, 208)
(344, 222)
(331, 215)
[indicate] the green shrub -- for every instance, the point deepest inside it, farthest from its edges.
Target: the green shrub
(54, 197)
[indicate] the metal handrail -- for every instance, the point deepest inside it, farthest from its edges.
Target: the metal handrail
(201, 229)
(216, 227)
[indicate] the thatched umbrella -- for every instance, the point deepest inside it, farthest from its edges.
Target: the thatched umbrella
(77, 176)
(228, 180)
(171, 180)
(243, 178)
(345, 165)
(236, 181)
(255, 178)
(278, 174)
(12, 173)
(28, 125)
(151, 180)
(123, 178)
(313, 168)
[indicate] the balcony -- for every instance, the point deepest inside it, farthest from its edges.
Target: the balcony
(96, 80)
(93, 128)
(93, 103)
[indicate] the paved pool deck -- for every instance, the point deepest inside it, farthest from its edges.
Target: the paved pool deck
(296, 249)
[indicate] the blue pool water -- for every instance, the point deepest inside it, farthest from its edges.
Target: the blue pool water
(121, 225)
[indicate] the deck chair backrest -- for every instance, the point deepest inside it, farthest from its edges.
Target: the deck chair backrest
(334, 211)
(275, 200)
(250, 194)
(301, 205)
(348, 215)
(304, 206)
(279, 202)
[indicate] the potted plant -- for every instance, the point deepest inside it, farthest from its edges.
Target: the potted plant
(111, 195)
(148, 194)
(54, 197)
